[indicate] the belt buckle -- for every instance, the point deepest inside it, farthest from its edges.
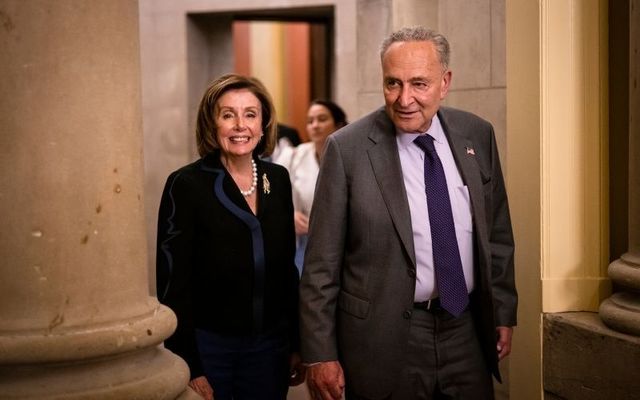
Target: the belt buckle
(429, 304)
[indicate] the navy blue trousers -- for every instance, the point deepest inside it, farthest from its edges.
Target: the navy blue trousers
(246, 367)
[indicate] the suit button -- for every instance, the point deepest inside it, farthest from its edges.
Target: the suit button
(411, 272)
(407, 314)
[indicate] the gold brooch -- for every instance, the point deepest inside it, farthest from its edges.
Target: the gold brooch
(265, 184)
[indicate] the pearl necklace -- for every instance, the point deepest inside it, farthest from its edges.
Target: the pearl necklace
(254, 183)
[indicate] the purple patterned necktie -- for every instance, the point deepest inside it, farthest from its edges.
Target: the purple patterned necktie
(446, 256)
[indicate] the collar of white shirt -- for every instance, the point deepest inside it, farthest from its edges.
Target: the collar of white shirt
(435, 130)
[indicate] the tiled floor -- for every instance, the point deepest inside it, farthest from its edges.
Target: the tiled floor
(299, 392)
(302, 393)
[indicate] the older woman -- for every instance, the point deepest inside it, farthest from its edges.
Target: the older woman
(226, 244)
(323, 118)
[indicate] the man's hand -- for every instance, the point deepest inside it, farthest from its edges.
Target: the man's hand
(504, 341)
(325, 380)
(201, 386)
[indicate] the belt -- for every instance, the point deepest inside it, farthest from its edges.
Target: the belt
(429, 305)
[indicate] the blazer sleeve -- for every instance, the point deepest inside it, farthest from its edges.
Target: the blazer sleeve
(320, 283)
(292, 276)
(174, 262)
(505, 297)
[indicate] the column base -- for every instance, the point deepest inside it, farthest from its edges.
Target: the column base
(621, 312)
(583, 359)
(153, 373)
(625, 271)
(72, 343)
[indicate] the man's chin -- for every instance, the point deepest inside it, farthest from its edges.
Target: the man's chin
(407, 126)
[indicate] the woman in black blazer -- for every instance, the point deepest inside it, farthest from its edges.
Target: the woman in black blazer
(226, 245)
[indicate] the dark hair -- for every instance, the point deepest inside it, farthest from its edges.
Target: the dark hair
(337, 113)
(206, 121)
(419, 34)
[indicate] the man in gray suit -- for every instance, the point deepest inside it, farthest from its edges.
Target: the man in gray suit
(408, 285)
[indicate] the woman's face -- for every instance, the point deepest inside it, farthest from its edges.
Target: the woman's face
(320, 123)
(239, 122)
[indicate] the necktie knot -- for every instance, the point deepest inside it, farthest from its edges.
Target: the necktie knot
(425, 142)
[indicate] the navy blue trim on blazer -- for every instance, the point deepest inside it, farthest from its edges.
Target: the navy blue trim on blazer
(171, 233)
(253, 224)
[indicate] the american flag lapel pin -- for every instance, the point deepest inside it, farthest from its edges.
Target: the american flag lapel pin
(470, 150)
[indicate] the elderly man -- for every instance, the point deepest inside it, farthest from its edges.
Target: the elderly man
(408, 285)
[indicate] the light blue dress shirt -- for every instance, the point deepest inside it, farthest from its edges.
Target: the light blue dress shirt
(412, 162)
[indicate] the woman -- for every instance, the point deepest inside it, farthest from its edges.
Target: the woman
(225, 262)
(303, 162)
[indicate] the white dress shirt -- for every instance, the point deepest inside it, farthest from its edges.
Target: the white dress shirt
(303, 167)
(412, 162)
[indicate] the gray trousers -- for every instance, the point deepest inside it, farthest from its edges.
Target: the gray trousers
(443, 360)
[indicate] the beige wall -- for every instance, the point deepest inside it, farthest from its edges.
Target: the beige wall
(558, 168)
(476, 31)
(524, 183)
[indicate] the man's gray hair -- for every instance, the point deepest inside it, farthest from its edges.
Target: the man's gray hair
(419, 34)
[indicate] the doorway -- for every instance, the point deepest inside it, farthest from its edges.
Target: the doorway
(289, 50)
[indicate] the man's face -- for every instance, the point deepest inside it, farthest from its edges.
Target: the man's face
(414, 83)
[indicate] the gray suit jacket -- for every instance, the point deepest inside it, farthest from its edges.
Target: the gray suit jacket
(358, 282)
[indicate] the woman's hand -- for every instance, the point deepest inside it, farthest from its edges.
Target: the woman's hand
(302, 223)
(297, 370)
(201, 386)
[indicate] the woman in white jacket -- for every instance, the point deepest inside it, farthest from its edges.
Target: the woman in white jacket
(303, 162)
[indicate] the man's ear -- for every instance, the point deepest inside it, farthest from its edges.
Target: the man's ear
(446, 81)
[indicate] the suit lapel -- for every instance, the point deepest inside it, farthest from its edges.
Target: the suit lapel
(464, 154)
(385, 163)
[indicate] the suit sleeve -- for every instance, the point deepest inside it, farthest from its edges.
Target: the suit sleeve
(174, 267)
(505, 297)
(320, 283)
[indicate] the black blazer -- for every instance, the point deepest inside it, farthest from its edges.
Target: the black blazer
(220, 267)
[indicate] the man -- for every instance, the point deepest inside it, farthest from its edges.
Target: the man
(408, 286)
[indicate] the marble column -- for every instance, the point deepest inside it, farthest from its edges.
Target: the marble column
(77, 319)
(621, 311)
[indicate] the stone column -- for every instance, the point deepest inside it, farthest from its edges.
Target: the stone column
(77, 320)
(621, 311)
